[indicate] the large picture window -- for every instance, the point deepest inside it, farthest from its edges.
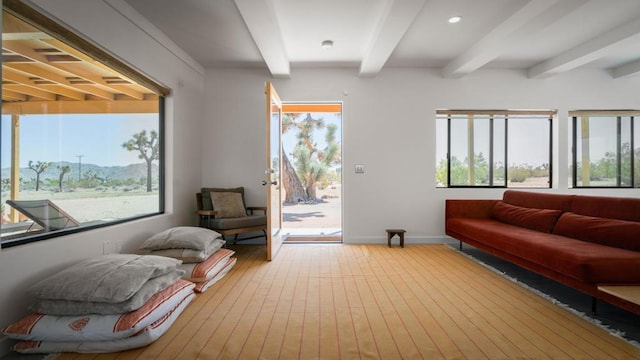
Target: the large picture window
(606, 148)
(81, 141)
(480, 148)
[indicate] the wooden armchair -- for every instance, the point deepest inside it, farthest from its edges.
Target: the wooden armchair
(224, 211)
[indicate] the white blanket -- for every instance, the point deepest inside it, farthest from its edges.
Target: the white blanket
(110, 278)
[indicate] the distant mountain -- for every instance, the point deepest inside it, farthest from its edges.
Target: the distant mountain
(133, 171)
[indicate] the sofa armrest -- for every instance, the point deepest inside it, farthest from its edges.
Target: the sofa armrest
(464, 208)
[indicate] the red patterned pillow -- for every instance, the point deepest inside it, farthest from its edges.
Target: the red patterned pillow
(204, 285)
(542, 220)
(207, 269)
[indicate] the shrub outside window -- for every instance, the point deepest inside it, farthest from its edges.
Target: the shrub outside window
(81, 141)
(487, 148)
(605, 148)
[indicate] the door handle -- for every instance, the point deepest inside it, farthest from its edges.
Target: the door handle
(265, 182)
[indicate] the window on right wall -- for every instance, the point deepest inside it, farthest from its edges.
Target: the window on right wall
(605, 148)
(494, 148)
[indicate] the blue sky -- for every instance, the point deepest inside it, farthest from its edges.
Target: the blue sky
(55, 138)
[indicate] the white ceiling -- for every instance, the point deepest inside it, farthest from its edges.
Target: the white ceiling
(541, 37)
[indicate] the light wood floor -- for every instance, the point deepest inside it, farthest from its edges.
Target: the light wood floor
(373, 302)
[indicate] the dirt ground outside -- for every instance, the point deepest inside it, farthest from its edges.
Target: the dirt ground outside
(92, 205)
(321, 218)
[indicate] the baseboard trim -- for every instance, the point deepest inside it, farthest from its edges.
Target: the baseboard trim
(408, 240)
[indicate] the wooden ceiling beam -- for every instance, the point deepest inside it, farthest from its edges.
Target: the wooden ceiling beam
(127, 90)
(15, 29)
(63, 91)
(31, 91)
(99, 80)
(38, 66)
(21, 48)
(28, 52)
(95, 91)
(28, 15)
(82, 107)
(33, 72)
(9, 95)
(82, 56)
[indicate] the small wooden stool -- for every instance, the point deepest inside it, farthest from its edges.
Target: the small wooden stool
(392, 232)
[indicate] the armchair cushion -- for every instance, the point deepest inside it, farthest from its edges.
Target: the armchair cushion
(207, 204)
(228, 204)
(240, 222)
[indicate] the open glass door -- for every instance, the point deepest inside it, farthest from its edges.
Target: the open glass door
(272, 174)
(312, 172)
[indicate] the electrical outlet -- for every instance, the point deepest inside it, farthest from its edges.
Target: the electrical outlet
(109, 247)
(359, 168)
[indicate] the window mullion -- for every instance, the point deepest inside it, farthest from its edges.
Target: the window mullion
(618, 151)
(574, 150)
(448, 150)
(632, 154)
(471, 171)
(491, 150)
(506, 150)
(550, 150)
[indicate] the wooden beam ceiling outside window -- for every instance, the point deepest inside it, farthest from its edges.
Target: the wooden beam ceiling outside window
(41, 63)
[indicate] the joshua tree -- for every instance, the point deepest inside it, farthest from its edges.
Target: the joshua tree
(148, 148)
(311, 162)
(63, 170)
(38, 168)
(293, 187)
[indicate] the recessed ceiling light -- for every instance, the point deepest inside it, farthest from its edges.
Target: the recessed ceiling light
(327, 44)
(455, 19)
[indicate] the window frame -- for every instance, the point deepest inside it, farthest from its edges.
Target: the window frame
(441, 113)
(72, 39)
(618, 114)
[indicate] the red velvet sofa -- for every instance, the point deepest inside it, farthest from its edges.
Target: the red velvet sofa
(578, 240)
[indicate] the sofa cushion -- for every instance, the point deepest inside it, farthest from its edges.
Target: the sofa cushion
(538, 200)
(607, 207)
(584, 261)
(535, 219)
(617, 233)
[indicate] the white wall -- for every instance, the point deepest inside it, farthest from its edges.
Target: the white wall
(116, 27)
(388, 125)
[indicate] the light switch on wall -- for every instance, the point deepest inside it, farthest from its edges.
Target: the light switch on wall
(359, 168)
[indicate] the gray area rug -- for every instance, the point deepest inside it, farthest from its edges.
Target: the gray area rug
(617, 321)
